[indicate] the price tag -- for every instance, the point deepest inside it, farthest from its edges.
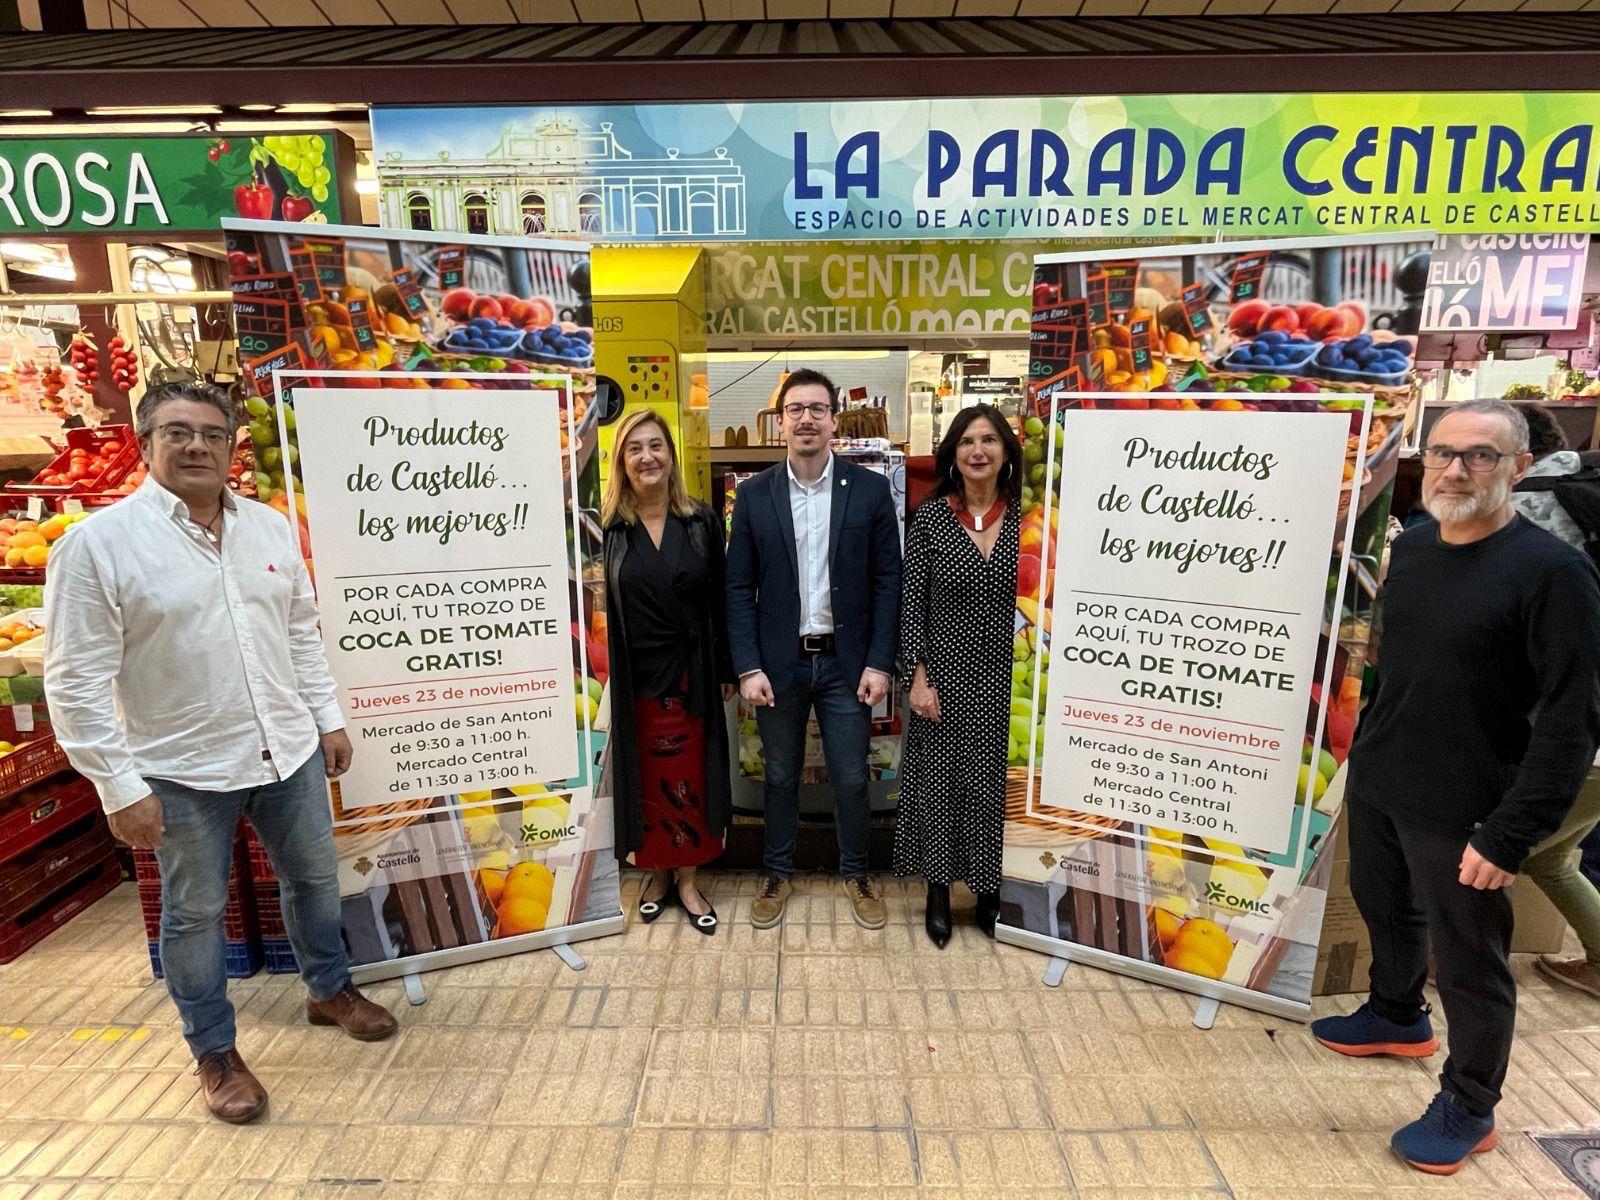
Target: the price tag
(405, 282)
(1122, 280)
(71, 506)
(22, 716)
(361, 324)
(1139, 334)
(1196, 308)
(451, 263)
(1099, 300)
(1248, 271)
(35, 507)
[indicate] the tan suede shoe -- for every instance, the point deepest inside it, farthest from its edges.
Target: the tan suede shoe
(233, 1094)
(767, 908)
(353, 1013)
(866, 905)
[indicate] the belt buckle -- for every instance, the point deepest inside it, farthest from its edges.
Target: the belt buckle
(812, 643)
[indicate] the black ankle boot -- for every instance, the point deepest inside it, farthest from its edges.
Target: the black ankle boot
(937, 918)
(988, 912)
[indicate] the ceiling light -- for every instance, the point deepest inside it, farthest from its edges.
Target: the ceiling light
(258, 108)
(26, 112)
(366, 187)
(153, 110)
(29, 252)
(314, 106)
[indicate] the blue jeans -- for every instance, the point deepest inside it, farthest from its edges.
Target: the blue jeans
(1589, 856)
(846, 729)
(295, 823)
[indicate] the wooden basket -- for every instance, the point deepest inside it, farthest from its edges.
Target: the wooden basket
(864, 423)
(1024, 828)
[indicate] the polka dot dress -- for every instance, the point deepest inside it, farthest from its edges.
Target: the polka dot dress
(956, 619)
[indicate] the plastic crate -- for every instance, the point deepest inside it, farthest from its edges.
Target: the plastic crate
(260, 863)
(243, 959)
(37, 813)
(26, 877)
(65, 901)
(41, 758)
(269, 912)
(90, 440)
(279, 956)
(238, 915)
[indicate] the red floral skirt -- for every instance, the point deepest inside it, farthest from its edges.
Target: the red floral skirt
(672, 774)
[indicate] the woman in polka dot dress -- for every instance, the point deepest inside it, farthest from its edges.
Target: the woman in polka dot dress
(956, 630)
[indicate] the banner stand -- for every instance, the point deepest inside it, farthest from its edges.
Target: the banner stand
(551, 939)
(1206, 989)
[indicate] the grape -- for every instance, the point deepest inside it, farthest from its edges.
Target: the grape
(315, 142)
(319, 193)
(271, 143)
(305, 177)
(321, 175)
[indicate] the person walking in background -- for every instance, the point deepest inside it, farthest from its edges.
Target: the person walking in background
(1570, 887)
(1484, 720)
(670, 670)
(956, 634)
(186, 680)
(813, 604)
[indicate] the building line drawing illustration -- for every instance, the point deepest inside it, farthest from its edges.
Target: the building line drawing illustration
(562, 177)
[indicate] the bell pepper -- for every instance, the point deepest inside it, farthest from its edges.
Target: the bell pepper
(253, 200)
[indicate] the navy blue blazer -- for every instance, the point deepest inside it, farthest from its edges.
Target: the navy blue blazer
(863, 571)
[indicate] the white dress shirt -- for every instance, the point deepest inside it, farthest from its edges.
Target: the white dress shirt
(812, 507)
(166, 659)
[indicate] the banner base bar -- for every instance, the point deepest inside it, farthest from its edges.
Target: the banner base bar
(569, 956)
(458, 955)
(1055, 970)
(1205, 1013)
(414, 992)
(1182, 981)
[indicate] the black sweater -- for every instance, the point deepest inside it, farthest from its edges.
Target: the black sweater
(1486, 712)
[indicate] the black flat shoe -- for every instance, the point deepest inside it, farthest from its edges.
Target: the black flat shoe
(937, 915)
(649, 910)
(705, 922)
(988, 912)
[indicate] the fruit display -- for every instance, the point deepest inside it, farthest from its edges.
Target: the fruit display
(279, 177)
(81, 355)
(518, 889)
(25, 543)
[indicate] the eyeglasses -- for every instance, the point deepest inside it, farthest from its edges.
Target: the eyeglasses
(1439, 458)
(177, 436)
(816, 411)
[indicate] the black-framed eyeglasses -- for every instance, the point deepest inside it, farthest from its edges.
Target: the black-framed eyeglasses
(1477, 460)
(816, 411)
(177, 435)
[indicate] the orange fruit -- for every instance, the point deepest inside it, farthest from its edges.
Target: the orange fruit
(1201, 948)
(36, 556)
(14, 556)
(519, 914)
(26, 538)
(1166, 927)
(530, 881)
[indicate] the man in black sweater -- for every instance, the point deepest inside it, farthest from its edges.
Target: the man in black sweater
(1478, 736)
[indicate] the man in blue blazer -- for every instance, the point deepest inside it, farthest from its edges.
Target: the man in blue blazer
(813, 616)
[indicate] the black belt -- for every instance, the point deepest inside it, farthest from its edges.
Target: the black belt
(816, 643)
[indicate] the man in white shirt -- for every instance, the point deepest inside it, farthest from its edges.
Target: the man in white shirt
(186, 679)
(813, 621)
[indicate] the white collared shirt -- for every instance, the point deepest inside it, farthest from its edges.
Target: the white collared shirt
(812, 507)
(165, 659)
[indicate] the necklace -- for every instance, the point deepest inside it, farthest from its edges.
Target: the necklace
(975, 521)
(213, 534)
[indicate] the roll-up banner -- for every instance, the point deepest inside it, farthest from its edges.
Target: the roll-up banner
(423, 408)
(1210, 452)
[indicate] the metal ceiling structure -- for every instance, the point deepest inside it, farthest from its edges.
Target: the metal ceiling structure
(732, 60)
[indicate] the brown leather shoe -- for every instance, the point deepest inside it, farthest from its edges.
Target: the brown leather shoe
(866, 906)
(353, 1013)
(233, 1094)
(766, 910)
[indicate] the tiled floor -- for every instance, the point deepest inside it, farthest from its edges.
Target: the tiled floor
(817, 1060)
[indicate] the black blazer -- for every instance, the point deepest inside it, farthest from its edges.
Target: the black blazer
(863, 571)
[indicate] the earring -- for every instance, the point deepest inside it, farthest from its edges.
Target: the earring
(954, 475)
(1007, 474)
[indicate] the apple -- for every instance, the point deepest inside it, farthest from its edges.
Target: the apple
(1029, 568)
(487, 306)
(297, 208)
(457, 303)
(1282, 318)
(1245, 319)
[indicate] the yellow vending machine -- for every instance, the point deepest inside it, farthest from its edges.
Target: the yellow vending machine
(650, 347)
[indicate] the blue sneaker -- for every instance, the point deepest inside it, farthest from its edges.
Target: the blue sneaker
(1445, 1136)
(1364, 1033)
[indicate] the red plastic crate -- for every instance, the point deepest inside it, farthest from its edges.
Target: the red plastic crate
(28, 876)
(238, 915)
(90, 440)
(269, 913)
(33, 815)
(58, 907)
(34, 763)
(260, 863)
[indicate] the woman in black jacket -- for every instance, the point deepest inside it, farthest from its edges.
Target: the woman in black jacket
(670, 670)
